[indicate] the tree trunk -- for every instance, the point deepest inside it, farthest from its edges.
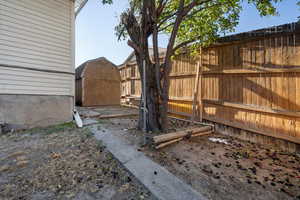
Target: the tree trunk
(152, 101)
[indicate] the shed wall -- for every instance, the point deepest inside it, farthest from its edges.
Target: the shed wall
(101, 84)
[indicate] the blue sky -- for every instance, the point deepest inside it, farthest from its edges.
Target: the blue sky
(95, 35)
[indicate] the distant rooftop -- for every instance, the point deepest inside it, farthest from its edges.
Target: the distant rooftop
(132, 58)
(273, 30)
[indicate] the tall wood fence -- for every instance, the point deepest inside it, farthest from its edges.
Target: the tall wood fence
(249, 81)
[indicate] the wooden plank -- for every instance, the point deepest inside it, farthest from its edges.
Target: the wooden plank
(180, 134)
(179, 113)
(182, 74)
(253, 108)
(200, 95)
(168, 143)
(253, 70)
(195, 94)
(201, 134)
(114, 116)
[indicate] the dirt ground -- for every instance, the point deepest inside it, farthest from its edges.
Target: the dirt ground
(62, 162)
(235, 170)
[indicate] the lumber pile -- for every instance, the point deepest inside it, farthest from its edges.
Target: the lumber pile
(170, 138)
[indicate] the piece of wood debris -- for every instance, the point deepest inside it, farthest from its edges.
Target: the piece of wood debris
(168, 143)
(114, 116)
(180, 134)
(202, 134)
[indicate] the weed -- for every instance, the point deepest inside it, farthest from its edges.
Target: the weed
(51, 129)
(87, 133)
(101, 121)
(100, 146)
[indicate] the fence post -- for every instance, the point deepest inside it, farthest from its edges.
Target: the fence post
(201, 86)
(196, 88)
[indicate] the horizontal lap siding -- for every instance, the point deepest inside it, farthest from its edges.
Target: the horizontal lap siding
(23, 81)
(36, 34)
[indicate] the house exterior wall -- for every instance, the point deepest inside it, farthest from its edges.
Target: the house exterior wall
(36, 59)
(101, 84)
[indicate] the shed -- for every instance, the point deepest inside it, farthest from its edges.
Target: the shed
(97, 83)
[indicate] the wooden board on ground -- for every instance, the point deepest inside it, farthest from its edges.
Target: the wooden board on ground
(114, 116)
(180, 134)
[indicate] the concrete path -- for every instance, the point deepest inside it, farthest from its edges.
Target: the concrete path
(159, 181)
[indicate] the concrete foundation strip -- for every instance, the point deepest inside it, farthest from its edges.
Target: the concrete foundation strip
(159, 181)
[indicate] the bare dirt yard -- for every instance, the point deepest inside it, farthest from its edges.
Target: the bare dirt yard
(62, 162)
(235, 170)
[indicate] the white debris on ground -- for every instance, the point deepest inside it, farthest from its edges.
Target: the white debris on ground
(218, 140)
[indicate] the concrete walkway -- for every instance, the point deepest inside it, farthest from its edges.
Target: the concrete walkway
(159, 181)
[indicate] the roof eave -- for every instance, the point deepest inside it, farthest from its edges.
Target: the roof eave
(81, 4)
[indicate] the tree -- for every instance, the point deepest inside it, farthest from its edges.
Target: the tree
(188, 23)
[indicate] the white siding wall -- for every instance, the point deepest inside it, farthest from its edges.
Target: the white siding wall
(36, 34)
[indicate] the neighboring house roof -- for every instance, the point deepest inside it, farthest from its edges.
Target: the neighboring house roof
(79, 71)
(273, 30)
(132, 58)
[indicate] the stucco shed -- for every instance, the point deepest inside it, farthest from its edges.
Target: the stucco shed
(97, 83)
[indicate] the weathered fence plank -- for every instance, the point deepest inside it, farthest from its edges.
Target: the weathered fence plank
(251, 84)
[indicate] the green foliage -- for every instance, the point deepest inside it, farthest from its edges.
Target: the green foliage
(215, 18)
(52, 129)
(107, 1)
(204, 23)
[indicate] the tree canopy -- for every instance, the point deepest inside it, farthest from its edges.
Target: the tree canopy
(202, 20)
(188, 23)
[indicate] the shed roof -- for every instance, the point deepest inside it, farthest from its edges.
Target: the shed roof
(79, 71)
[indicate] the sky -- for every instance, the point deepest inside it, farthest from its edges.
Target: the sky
(95, 35)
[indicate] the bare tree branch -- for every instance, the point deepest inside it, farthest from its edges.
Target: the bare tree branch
(185, 43)
(134, 46)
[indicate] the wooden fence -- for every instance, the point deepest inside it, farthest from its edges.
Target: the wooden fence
(249, 81)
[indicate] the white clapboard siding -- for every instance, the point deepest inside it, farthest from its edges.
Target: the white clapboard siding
(23, 81)
(39, 15)
(32, 23)
(36, 47)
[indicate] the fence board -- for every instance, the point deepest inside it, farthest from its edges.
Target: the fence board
(253, 85)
